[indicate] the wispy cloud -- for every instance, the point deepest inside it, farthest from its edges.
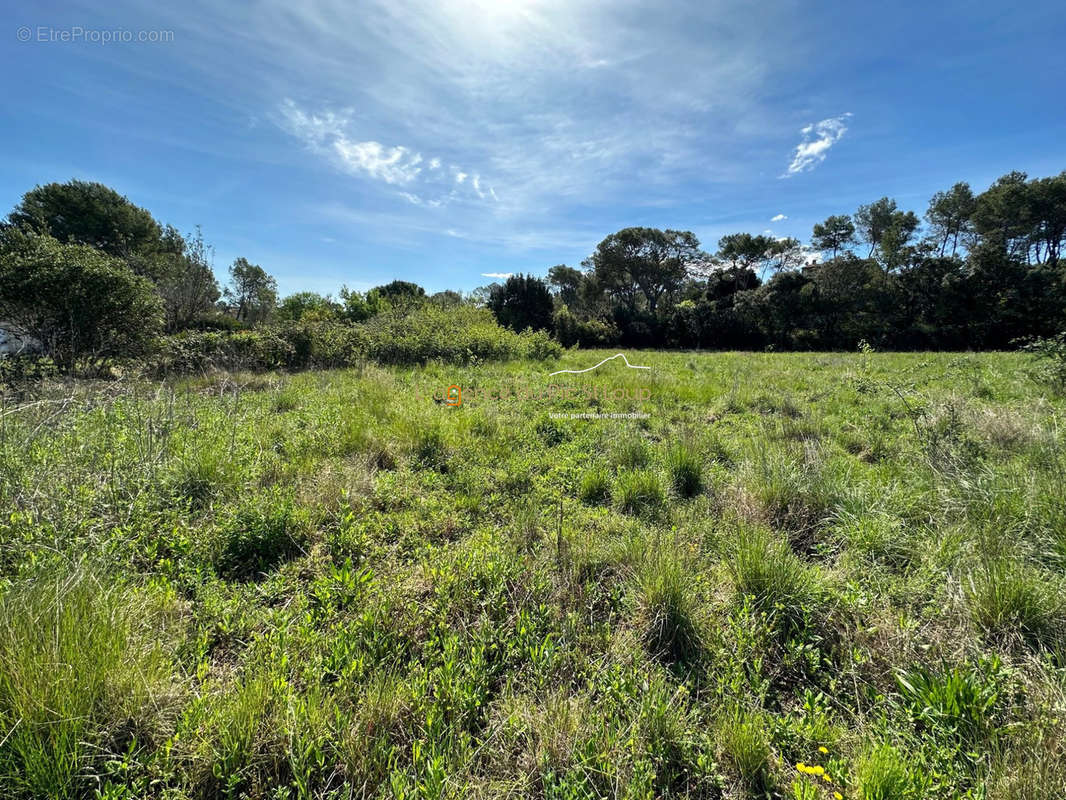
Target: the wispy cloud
(500, 275)
(326, 133)
(818, 137)
(778, 217)
(561, 115)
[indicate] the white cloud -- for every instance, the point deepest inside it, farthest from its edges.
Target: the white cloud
(390, 164)
(570, 108)
(817, 139)
(326, 134)
(778, 218)
(500, 275)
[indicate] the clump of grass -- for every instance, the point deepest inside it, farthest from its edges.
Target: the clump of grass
(668, 606)
(257, 540)
(959, 702)
(640, 492)
(237, 739)
(632, 453)
(796, 492)
(1008, 599)
(765, 569)
(83, 679)
(201, 475)
(288, 399)
(550, 431)
(595, 487)
(745, 743)
(686, 469)
(877, 538)
(883, 775)
(431, 450)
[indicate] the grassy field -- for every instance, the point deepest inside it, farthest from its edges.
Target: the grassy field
(808, 576)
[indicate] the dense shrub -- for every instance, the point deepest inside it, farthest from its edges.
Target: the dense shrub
(460, 335)
(457, 334)
(1050, 353)
(78, 304)
(203, 351)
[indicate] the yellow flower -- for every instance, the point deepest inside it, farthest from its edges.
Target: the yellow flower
(826, 778)
(838, 796)
(823, 751)
(816, 770)
(801, 767)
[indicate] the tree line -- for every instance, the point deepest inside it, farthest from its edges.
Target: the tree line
(87, 276)
(983, 272)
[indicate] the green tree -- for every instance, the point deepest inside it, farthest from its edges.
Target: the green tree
(834, 235)
(80, 304)
(949, 217)
(882, 218)
(447, 299)
(1048, 202)
(252, 293)
(92, 214)
(567, 282)
(761, 253)
(522, 302)
(644, 263)
(1003, 215)
(308, 304)
(401, 293)
(359, 307)
(187, 282)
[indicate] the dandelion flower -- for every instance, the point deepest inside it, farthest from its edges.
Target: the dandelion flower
(823, 751)
(838, 796)
(826, 778)
(801, 767)
(816, 770)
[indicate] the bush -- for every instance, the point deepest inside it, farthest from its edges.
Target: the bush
(1050, 353)
(305, 344)
(204, 351)
(571, 330)
(321, 344)
(539, 346)
(409, 335)
(78, 304)
(457, 335)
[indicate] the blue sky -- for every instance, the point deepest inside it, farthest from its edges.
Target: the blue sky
(440, 140)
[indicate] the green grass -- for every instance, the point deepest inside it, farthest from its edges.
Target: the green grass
(327, 585)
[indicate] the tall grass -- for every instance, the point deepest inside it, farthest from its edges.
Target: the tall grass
(669, 605)
(83, 678)
(765, 569)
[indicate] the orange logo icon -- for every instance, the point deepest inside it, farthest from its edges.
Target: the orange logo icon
(453, 396)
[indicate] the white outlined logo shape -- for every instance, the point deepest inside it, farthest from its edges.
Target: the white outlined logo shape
(611, 358)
